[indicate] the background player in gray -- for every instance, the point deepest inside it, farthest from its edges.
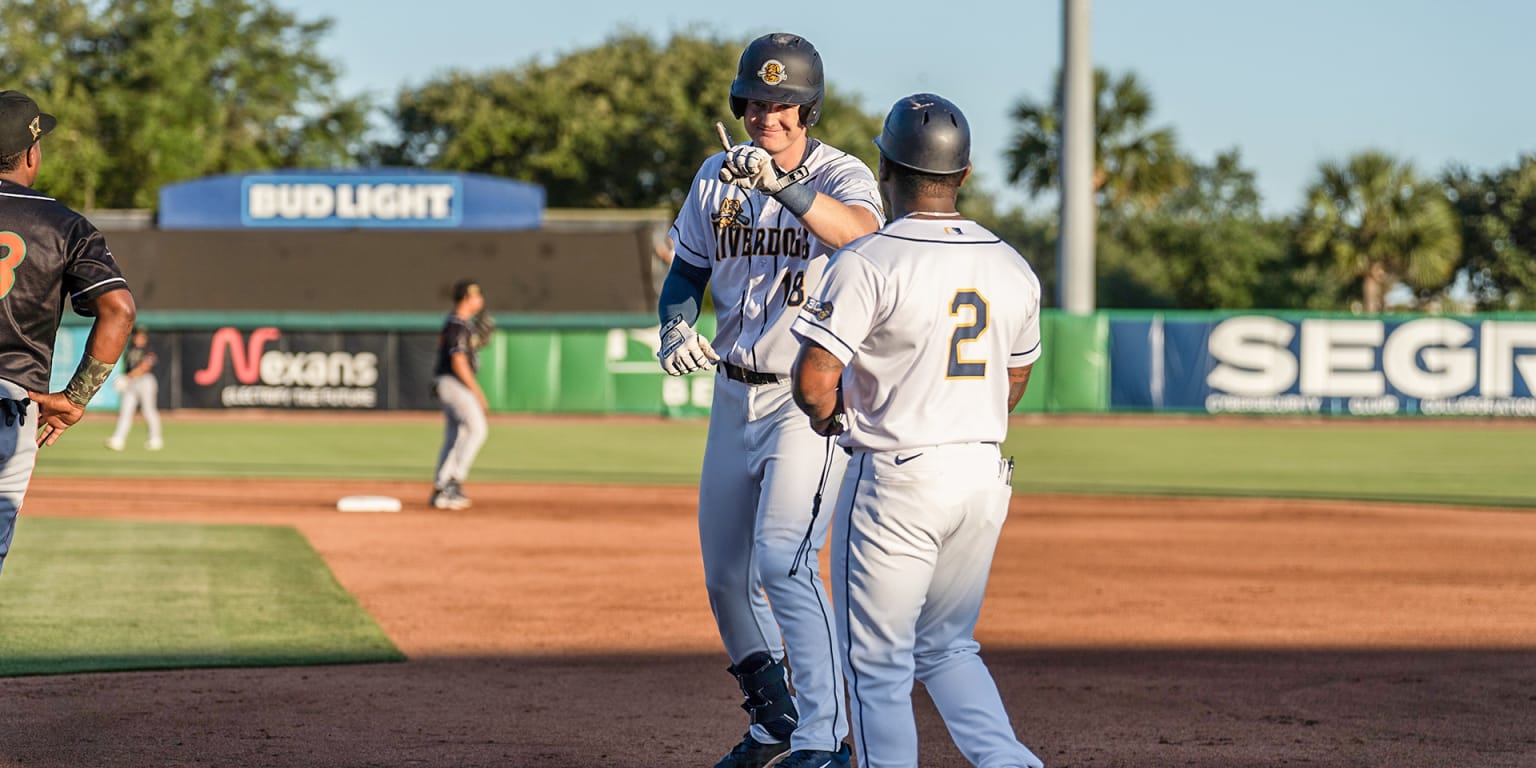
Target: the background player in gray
(48, 253)
(138, 388)
(464, 405)
(759, 223)
(938, 324)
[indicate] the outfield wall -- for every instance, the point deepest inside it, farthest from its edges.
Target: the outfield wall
(1184, 362)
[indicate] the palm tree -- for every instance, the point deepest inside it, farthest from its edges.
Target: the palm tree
(1373, 220)
(1135, 166)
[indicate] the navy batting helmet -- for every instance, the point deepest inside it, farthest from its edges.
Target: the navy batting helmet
(780, 69)
(928, 133)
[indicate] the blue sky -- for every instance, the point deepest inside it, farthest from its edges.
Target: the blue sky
(1290, 83)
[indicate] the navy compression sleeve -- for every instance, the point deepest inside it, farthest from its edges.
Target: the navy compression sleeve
(683, 291)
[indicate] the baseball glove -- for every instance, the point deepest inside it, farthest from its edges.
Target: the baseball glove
(481, 329)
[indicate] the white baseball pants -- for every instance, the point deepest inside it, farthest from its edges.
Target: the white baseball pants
(911, 550)
(141, 393)
(762, 468)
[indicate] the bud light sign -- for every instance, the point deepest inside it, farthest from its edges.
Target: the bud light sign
(1431, 366)
(347, 199)
(339, 201)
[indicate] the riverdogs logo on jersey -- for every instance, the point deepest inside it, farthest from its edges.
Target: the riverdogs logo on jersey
(730, 214)
(821, 310)
(773, 72)
(742, 240)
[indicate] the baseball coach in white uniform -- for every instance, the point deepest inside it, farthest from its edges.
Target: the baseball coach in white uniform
(922, 337)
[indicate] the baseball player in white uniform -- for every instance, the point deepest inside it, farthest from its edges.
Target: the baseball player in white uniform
(759, 224)
(925, 333)
(138, 388)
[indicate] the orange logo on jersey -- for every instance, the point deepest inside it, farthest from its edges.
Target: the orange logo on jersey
(13, 251)
(730, 214)
(773, 72)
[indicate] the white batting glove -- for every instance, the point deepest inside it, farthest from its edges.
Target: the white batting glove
(751, 168)
(683, 350)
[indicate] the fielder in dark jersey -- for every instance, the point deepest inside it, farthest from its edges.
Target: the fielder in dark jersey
(138, 390)
(48, 253)
(453, 376)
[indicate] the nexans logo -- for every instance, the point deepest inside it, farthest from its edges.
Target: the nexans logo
(252, 363)
(1428, 359)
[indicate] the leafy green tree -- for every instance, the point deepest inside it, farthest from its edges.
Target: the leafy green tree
(1135, 165)
(1498, 232)
(1373, 223)
(39, 54)
(1033, 235)
(625, 124)
(1207, 246)
(151, 92)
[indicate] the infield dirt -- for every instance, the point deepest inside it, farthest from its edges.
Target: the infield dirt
(557, 625)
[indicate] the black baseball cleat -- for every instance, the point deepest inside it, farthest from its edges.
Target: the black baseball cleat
(751, 753)
(456, 497)
(818, 758)
(449, 497)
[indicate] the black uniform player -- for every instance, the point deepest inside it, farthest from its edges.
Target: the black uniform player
(138, 390)
(464, 405)
(47, 253)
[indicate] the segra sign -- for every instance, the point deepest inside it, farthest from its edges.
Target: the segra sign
(1324, 365)
(1431, 365)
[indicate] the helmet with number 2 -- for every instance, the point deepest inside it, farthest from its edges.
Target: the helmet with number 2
(779, 69)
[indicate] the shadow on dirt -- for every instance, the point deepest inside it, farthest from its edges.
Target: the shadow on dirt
(1097, 708)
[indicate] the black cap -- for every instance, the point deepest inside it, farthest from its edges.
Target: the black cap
(21, 122)
(463, 288)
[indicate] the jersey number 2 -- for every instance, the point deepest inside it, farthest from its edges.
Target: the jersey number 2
(959, 367)
(13, 251)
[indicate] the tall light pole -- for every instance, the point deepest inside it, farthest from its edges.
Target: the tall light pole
(1075, 255)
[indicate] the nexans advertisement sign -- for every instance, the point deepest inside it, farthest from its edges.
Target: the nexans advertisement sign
(1378, 366)
(270, 368)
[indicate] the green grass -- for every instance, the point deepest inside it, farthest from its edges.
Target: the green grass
(620, 451)
(1477, 463)
(1464, 463)
(89, 595)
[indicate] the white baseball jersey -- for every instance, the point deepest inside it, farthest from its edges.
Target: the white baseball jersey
(927, 315)
(763, 262)
(916, 311)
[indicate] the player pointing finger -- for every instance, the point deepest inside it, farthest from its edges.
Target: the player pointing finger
(757, 228)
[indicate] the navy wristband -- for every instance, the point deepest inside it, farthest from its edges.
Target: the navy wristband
(796, 198)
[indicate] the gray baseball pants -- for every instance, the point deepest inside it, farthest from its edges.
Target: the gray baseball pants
(18, 454)
(465, 430)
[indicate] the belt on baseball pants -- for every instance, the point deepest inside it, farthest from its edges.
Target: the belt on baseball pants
(749, 377)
